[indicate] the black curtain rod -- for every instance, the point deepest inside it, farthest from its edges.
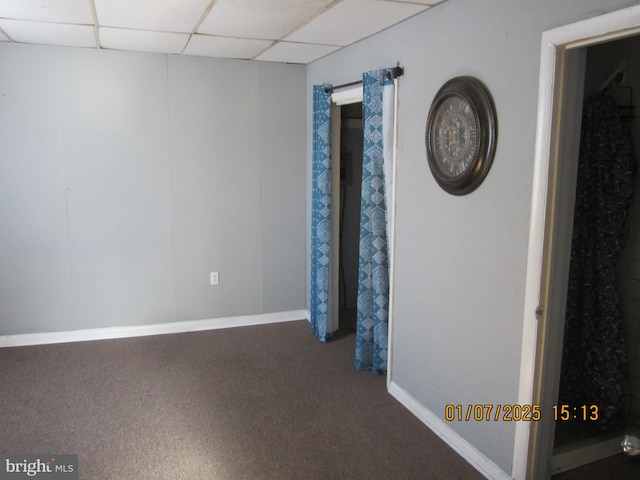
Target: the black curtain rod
(394, 72)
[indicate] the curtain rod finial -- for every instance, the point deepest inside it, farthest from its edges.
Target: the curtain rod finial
(394, 72)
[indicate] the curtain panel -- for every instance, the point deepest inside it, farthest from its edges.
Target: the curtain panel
(594, 357)
(320, 213)
(374, 263)
(375, 219)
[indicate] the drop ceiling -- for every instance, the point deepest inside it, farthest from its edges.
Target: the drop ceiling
(290, 31)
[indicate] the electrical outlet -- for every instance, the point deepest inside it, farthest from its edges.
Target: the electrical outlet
(214, 278)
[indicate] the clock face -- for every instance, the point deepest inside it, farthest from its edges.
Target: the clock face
(461, 135)
(455, 136)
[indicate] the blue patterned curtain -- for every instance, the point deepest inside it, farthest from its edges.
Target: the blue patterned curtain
(320, 212)
(373, 282)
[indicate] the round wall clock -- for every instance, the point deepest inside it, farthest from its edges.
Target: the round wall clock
(461, 135)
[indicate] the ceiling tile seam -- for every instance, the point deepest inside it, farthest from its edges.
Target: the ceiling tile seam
(313, 44)
(195, 28)
(186, 45)
(311, 18)
(129, 29)
(96, 37)
(235, 37)
(94, 15)
(204, 15)
(48, 23)
(273, 44)
(427, 5)
(6, 35)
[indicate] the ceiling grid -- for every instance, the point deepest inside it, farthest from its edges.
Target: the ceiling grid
(286, 31)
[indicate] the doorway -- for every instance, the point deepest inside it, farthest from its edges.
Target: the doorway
(347, 140)
(351, 144)
(611, 69)
(563, 61)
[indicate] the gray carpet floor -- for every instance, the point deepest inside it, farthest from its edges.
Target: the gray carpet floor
(261, 402)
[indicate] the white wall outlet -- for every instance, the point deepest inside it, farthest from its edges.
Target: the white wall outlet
(214, 278)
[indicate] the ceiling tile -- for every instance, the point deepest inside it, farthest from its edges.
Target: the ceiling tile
(351, 20)
(49, 33)
(65, 11)
(422, 2)
(164, 15)
(142, 41)
(247, 29)
(289, 52)
(225, 47)
(264, 19)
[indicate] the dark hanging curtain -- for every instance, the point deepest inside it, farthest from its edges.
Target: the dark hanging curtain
(594, 367)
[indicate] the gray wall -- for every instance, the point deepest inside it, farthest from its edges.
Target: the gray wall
(126, 178)
(461, 261)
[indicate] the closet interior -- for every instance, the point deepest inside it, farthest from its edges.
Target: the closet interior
(612, 73)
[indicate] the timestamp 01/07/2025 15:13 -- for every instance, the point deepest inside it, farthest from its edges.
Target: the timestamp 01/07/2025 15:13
(516, 412)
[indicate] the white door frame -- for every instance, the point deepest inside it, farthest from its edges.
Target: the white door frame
(541, 348)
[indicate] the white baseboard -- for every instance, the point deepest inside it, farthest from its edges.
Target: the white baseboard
(145, 330)
(467, 451)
